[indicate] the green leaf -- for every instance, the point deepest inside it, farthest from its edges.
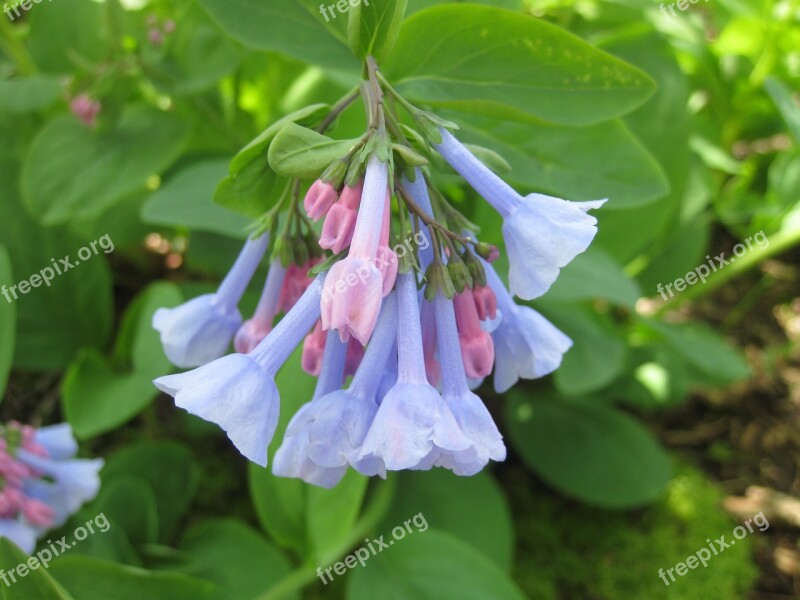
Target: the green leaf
(169, 469)
(66, 147)
(705, 349)
(280, 502)
(63, 33)
(29, 94)
(252, 187)
(786, 104)
(502, 63)
(594, 274)
(598, 354)
(331, 514)
(449, 503)
(578, 163)
(97, 398)
(186, 200)
(8, 322)
(302, 153)
(430, 565)
(588, 450)
(93, 579)
(53, 322)
(235, 557)
(373, 26)
(130, 505)
(101, 394)
(296, 28)
(36, 585)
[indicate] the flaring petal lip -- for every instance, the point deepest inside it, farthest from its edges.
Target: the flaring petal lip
(237, 394)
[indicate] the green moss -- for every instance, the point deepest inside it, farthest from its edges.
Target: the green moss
(567, 550)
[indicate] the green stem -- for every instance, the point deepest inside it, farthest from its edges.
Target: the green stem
(780, 242)
(306, 573)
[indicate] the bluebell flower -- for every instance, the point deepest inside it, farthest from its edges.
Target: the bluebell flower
(291, 458)
(201, 330)
(526, 344)
(413, 427)
(19, 531)
(76, 480)
(330, 429)
(542, 233)
(58, 440)
(468, 409)
(238, 392)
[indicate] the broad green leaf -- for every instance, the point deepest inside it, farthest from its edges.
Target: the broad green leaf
(63, 33)
(662, 125)
(92, 579)
(280, 502)
(502, 63)
(594, 274)
(200, 55)
(29, 94)
(449, 503)
(588, 450)
(144, 143)
(101, 394)
(53, 322)
(331, 514)
(235, 557)
(373, 26)
(789, 109)
(577, 163)
(186, 200)
(37, 584)
(297, 28)
(98, 398)
(705, 350)
(418, 5)
(170, 470)
(251, 186)
(302, 153)
(130, 505)
(427, 566)
(8, 321)
(598, 352)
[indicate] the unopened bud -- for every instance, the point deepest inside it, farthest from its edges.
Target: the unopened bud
(438, 280)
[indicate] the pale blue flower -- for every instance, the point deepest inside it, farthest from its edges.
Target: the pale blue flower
(291, 459)
(542, 233)
(57, 440)
(526, 344)
(19, 531)
(414, 426)
(201, 330)
(467, 408)
(238, 392)
(77, 480)
(330, 429)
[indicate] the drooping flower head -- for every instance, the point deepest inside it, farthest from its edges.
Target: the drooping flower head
(411, 306)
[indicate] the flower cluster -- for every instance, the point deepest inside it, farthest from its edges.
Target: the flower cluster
(417, 332)
(41, 483)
